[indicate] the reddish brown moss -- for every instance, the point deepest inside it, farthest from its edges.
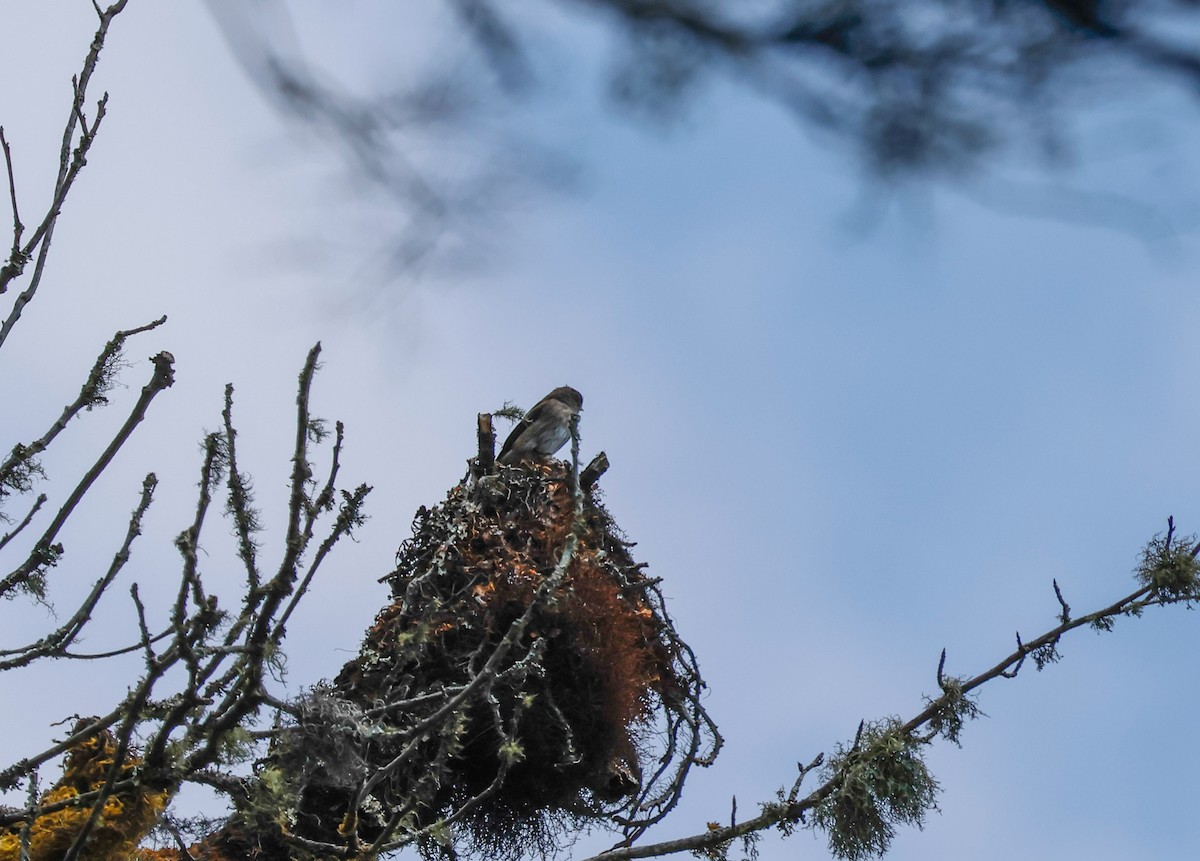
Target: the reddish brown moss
(596, 685)
(472, 567)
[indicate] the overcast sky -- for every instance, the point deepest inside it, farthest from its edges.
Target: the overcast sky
(849, 426)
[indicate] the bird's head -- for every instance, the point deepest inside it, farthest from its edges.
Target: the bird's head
(569, 396)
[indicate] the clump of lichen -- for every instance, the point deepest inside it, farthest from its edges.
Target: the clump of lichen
(952, 710)
(126, 817)
(1169, 566)
(879, 782)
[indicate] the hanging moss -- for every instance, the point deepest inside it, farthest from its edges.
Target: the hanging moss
(1169, 565)
(882, 782)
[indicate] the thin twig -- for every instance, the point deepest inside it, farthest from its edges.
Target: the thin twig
(31, 806)
(80, 735)
(56, 643)
(15, 261)
(162, 378)
(240, 502)
(91, 394)
(70, 162)
(9, 536)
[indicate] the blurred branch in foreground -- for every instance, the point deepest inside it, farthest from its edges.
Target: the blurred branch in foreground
(927, 90)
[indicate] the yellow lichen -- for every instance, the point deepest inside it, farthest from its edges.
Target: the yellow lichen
(124, 821)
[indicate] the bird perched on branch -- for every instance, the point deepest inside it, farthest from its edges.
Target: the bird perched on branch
(545, 428)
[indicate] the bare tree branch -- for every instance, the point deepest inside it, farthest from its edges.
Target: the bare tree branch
(56, 643)
(45, 553)
(1169, 574)
(12, 267)
(21, 462)
(70, 163)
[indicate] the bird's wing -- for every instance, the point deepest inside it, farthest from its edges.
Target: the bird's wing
(519, 427)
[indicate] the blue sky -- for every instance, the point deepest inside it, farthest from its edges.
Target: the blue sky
(849, 426)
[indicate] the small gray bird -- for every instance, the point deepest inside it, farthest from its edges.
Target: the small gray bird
(545, 428)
